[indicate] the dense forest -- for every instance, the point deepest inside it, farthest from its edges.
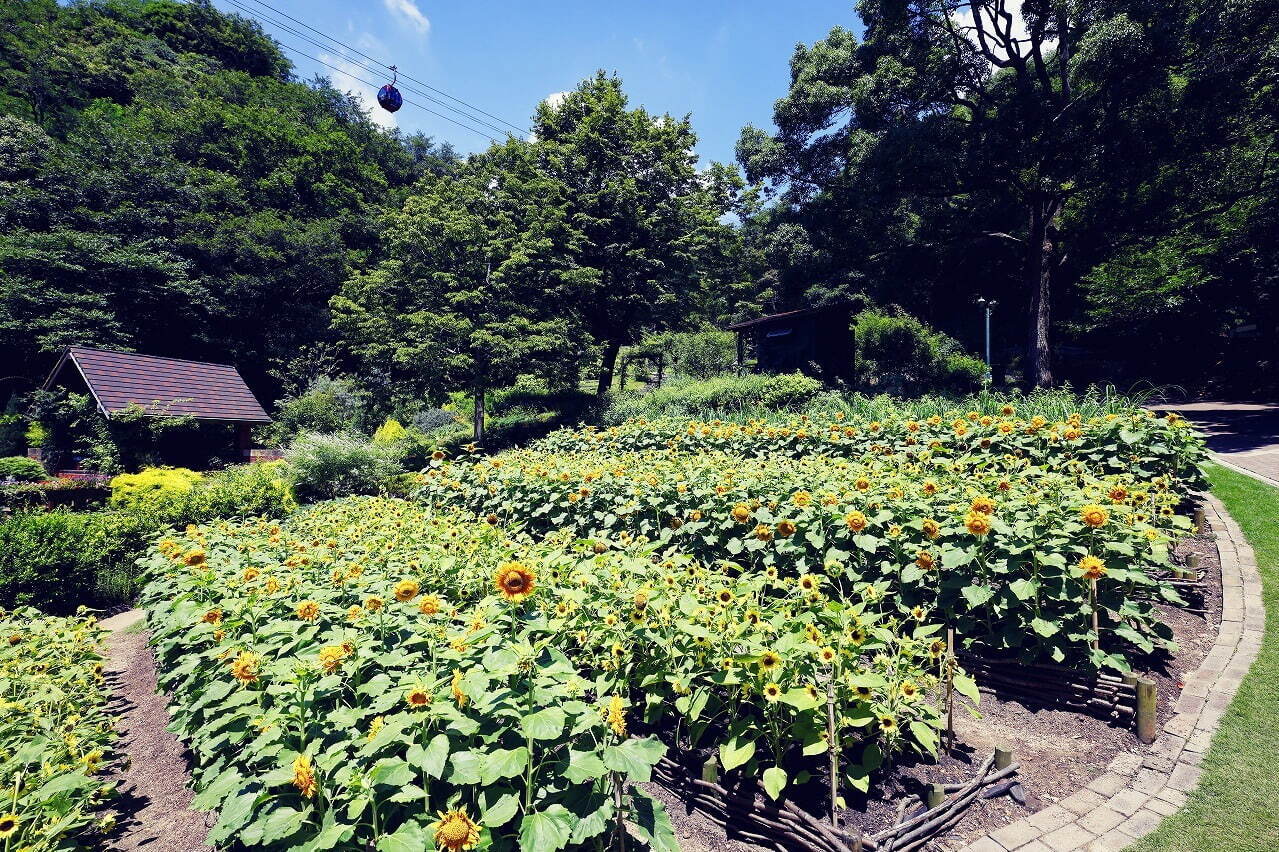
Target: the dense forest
(1106, 171)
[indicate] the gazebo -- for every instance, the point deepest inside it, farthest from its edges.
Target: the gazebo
(161, 387)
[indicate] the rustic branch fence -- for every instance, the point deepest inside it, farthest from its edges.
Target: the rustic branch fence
(746, 815)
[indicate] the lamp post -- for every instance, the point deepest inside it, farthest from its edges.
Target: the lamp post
(988, 307)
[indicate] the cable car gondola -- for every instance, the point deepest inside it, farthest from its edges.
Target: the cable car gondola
(388, 97)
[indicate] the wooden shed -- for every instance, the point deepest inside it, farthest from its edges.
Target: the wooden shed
(816, 341)
(161, 387)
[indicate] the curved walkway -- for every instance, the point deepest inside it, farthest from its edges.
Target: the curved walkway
(1243, 436)
(1129, 800)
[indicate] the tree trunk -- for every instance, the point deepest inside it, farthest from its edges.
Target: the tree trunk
(1039, 249)
(477, 419)
(606, 368)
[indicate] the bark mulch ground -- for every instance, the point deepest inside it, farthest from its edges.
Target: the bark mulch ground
(153, 807)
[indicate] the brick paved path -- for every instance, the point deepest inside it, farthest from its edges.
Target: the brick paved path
(1243, 435)
(1138, 791)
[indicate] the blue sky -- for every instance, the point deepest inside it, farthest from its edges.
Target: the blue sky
(723, 62)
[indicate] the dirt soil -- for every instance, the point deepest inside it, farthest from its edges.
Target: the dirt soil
(153, 807)
(1060, 751)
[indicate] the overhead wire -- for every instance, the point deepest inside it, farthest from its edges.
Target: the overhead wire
(346, 73)
(343, 45)
(292, 31)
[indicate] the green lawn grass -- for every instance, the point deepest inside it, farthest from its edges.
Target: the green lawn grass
(1236, 805)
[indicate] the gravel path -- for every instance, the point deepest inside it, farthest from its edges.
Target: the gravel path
(154, 803)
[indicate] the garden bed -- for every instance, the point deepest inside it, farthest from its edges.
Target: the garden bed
(1058, 751)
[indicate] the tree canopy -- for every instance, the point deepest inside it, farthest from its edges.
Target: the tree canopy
(1106, 171)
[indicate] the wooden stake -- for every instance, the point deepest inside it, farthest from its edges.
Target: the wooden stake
(1147, 705)
(1201, 520)
(710, 770)
(936, 796)
(1003, 756)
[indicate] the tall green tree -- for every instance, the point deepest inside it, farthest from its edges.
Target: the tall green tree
(643, 217)
(475, 287)
(956, 128)
(168, 186)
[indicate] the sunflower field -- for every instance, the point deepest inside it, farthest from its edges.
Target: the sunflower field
(374, 671)
(55, 732)
(496, 662)
(1013, 532)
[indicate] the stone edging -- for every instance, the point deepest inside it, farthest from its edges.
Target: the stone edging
(1138, 791)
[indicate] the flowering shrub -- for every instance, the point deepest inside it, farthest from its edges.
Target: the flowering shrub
(993, 537)
(55, 733)
(371, 671)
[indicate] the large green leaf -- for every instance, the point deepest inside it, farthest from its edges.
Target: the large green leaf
(774, 781)
(547, 830)
(735, 752)
(503, 763)
(545, 724)
(634, 757)
(409, 837)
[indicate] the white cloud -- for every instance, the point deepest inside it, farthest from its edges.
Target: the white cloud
(408, 11)
(367, 95)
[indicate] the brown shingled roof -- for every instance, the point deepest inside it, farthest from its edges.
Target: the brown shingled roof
(166, 386)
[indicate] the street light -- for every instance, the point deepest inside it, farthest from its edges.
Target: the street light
(988, 307)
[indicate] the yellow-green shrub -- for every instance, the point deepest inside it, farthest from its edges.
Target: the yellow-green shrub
(130, 489)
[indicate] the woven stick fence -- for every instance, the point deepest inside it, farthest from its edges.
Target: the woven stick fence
(786, 827)
(1095, 693)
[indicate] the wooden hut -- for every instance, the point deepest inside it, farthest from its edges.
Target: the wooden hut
(162, 387)
(816, 341)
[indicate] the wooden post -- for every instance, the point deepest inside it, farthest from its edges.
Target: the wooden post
(1147, 705)
(1003, 756)
(1201, 520)
(936, 796)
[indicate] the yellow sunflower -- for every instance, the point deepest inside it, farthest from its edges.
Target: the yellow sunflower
(406, 590)
(1094, 516)
(455, 831)
(304, 776)
(514, 581)
(1092, 568)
